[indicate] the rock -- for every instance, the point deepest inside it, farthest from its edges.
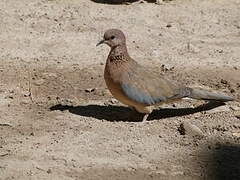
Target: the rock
(11, 91)
(235, 108)
(90, 90)
(66, 101)
(186, 128)
(113, 101)
(167, 67)
(197, 115)
(38, 82)
(32, 134)
(237, 114)
(161, 172)
(223, 81)
(168, 25)
(4, 154)
(236, 134)
(219, 51)
(6, 124)
(232, 90)
(27, 94)
(49, 171)
(9, 97)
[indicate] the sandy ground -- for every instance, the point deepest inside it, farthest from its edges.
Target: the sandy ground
(52, 128)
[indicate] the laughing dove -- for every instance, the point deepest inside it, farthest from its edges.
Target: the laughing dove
(137, 86)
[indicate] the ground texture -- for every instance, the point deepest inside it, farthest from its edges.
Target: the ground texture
(58, 120)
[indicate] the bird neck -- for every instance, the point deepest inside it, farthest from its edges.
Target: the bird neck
(118, 53)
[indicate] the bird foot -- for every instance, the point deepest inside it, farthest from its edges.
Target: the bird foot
(145, 118)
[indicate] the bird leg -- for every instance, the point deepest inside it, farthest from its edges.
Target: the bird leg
(137, 116)
(145, 118)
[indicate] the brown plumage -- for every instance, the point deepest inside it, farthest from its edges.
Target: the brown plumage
(136, 86)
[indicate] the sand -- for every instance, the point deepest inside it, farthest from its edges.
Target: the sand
(59, 121)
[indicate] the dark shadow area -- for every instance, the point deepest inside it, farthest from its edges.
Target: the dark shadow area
(119, 1)
(121, 113)
(110, 113)
(224, 163)
(169, 112)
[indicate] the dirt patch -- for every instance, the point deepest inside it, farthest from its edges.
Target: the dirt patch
(58, 120)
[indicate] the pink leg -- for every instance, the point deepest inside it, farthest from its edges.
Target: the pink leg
(145, 118)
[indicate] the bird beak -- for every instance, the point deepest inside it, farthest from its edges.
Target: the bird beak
(100, 42)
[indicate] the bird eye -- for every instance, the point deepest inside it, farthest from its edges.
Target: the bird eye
(112, 37)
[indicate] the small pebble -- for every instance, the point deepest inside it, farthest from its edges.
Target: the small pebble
(38, 82)
(168, 25)
(235, 108)
(32, 134)
(223, 81)
(49, 171)
(236, 134)
(237, 114)
(186, 128)
(113, 101)
(9, 97)
(27, 94)
(232, 90)
(90, 90)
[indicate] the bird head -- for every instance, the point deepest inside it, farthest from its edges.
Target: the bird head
(113, 38)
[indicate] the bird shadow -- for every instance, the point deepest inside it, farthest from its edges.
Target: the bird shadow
(119, 1)
(121, 113)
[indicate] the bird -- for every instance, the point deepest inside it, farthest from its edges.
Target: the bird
(139, 87)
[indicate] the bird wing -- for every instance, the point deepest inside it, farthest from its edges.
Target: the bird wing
(146, 87)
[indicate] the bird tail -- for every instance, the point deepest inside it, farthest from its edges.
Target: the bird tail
(206, 95)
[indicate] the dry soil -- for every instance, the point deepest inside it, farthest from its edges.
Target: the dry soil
(58, 120)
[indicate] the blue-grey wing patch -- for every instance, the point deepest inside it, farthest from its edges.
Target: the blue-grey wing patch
(139, 96)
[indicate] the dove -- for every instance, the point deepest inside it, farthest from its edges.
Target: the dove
(139, 87)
